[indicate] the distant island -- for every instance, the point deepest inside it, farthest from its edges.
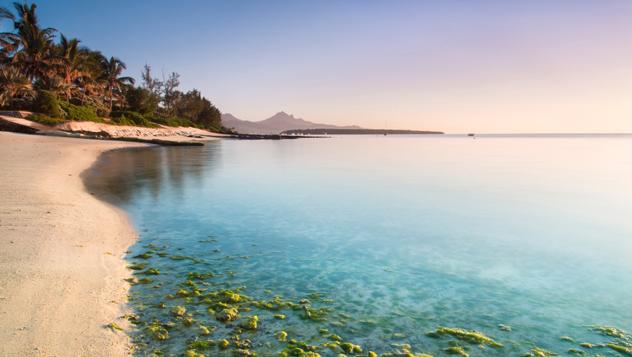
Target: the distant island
(276, 124)
(355, 131)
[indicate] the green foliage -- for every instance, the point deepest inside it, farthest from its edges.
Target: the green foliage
(174, 122)
(79, 112)
(193, 106)
(129, 118)
(45, 119)
(142, 100)
(46, 103)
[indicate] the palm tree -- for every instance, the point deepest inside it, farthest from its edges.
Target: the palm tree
(30, 44)
(13, 84)
(70, 62)
(111, 70)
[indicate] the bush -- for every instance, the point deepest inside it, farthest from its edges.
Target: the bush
(46, 103)
(173, 121)
(79, 112)
(129, 118)
(45, 119)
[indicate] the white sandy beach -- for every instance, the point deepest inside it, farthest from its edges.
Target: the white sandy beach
(61, 251)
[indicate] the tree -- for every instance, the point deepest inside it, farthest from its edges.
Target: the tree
(141, 100)
(111, 70)
(170, 92)
(150, 83)
(70, 61)
(13, 84)
(193, 106)
(30, 45)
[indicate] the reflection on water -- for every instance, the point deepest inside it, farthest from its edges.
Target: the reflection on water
(120, 175)
(392, 236)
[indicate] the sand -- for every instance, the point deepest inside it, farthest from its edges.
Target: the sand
(61, 251)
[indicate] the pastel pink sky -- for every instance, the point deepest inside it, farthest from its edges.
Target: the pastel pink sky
(457, 66)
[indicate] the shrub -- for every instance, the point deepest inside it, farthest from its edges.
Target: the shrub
(46, 103)
(129, 118)
(45, 119)
(79, 112)
(173, 121)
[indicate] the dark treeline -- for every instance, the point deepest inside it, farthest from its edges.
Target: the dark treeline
(43, 71)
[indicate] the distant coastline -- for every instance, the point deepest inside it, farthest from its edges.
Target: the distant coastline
(345, 131)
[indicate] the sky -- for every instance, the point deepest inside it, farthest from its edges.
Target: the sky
(451, 65)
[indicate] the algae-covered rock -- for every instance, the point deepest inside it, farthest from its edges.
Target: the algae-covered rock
(457, 350)
(139, 266)
(145, 255)
(183, 293)
(621, 347)
(192, 353)
(567, 339)
(178, 310)
(204, 330)
(350, 347)
(470, 336)
(244, 353)
(151, 271)
(281, 336)
(200, 345)
(279, 316)
(503, 327)
(250, 323)
(157, 331)
(575, 351)
(228, 314)
(371, 354)
(586, 345)
(610, 331)
(223, 344)
(539, 352)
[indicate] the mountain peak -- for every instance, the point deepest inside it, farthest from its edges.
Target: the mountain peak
(275, 124)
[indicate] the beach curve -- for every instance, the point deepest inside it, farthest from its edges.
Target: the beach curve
(61, 251)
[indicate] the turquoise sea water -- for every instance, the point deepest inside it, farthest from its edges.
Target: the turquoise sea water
(388, 237)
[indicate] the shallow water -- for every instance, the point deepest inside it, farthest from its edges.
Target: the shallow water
(395, 235)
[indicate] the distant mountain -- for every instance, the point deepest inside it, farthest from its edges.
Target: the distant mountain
(277, 123)
(354, 131)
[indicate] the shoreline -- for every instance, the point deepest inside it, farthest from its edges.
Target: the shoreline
(62, 266)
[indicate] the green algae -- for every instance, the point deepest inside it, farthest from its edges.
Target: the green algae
(223, 344)
(192, 353)
(250, 323)
(470, 336)
(621, 347)
(178, 310)
(201, 345)
(456, 350)
(200, 276)
(281, 336)
(145, 255)
(279, 316)
(151, 271)
(539, 352)
(575, 351)
(586, 345)
(114, 326)
(138, 266)
(157, 331)
(350, 347)
(205, 330)
(228, 314)
(610, 331)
